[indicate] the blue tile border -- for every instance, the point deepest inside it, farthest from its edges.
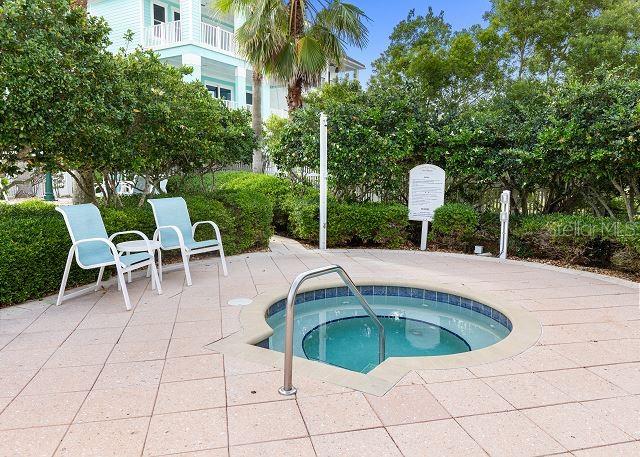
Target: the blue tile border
(398, 291)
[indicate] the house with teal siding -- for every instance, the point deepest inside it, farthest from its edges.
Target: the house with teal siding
(189, 32)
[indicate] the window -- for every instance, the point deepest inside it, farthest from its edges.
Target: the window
(217, 91)
(176, 15)
(159, 14)
(225, 94)
(213, 90)
(249, 99)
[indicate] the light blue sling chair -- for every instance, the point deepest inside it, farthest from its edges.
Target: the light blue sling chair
(175, 231)
(93, 248)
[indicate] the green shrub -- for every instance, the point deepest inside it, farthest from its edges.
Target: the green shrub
(455, 223)
(275, 189)
(578, 239)
(360, 224)
(34, 241)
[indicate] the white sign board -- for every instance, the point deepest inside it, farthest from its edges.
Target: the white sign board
(426, 192)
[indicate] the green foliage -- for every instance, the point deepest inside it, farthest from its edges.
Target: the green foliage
(595, 128)
(582, 240)
(68, 104)
(368, 224)
(372, 139)
(34, 241)
(455, 222)
(274, 189)
(56, 84)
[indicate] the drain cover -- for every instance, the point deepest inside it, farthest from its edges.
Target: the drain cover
(239, 302)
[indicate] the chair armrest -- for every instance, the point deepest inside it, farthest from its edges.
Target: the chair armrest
(213, 224)
(133, 232)
(156, 235)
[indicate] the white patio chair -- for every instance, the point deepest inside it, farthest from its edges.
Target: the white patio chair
(94, 249)
(175, 231)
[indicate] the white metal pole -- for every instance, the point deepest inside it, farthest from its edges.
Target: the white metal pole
(505, 202)
(323, 181)
(425, 234)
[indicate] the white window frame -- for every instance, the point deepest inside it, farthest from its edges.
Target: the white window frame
(163, 5)
(221, 86)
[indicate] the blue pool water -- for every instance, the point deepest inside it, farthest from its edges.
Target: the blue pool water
(331, 326)
(353, 343)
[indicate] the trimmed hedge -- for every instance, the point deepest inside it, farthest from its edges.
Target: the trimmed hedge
(575, 239)
(359, 224)
(275, 189)
(455, 223)
(34, 241)
(582, 240)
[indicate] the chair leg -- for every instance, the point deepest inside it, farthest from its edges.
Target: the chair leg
(123, 283)
(154, 277)
(129, 273)
(99, 278)
(65, 277)
(185, 261)
(160, 264)
(224, 263)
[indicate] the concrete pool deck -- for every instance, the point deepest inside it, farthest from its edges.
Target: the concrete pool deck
(89, 378)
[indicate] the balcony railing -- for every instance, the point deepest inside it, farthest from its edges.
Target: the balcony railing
(169, 33)
(218, 38)
(163, 34)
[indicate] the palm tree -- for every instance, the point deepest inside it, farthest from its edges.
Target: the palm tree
(294, 41)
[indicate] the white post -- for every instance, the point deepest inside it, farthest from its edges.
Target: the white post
(425, 234)
(241, 87)
(323, 181)
(505, 202)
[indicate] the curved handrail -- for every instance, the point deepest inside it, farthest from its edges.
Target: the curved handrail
(287, 388)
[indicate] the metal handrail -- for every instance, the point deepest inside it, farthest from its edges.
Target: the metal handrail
(287, 388)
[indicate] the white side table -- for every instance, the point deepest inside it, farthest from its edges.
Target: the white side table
(128, 247)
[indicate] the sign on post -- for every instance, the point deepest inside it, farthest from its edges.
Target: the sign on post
(426, 194)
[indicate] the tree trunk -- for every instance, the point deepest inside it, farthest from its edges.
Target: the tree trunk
(84, 191)
(256, 121)
(628, 198)
(294, 94)
(296, 28)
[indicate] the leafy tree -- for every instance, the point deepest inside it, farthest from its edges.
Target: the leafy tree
(372, 142)
(596, 126)
(449, 68)
(67, 104)
(55, 80)
(550, 38)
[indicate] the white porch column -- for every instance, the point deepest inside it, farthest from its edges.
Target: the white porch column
(241, 87)
(195, 61)
(266, 98)
(190, 19)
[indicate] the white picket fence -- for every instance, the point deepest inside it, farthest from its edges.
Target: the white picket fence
(62, 187)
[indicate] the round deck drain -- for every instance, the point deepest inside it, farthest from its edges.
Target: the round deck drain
(239, 302)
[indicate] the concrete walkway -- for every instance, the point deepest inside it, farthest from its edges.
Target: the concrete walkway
(89, 378)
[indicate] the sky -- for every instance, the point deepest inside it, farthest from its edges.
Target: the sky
(385, 14)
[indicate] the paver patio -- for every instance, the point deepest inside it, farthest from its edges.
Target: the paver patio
(89, 378)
